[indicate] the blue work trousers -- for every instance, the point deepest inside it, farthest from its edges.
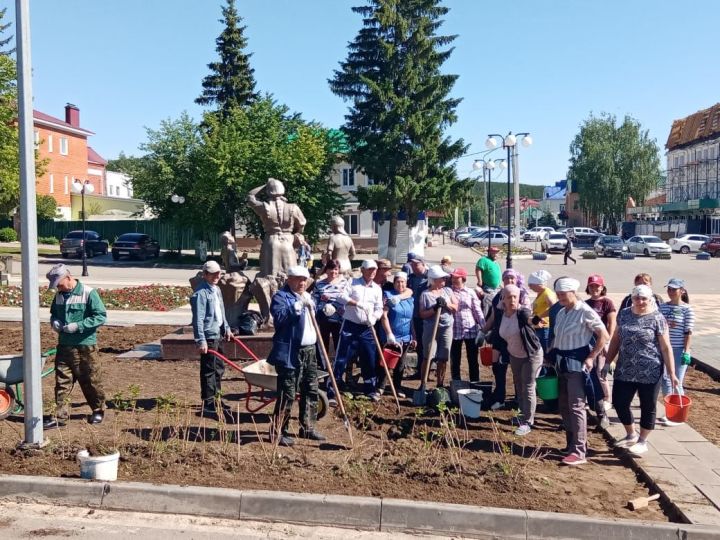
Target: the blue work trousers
(355, 338)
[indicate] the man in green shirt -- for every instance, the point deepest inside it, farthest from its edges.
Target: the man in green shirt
(489, 275)
(75, 314)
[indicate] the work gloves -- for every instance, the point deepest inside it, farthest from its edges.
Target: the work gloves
(57, 326)
(440, 303)
(394, 300)
(72, 328)
(329, 310)
(391, 338)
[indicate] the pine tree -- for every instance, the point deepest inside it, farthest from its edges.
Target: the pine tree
(400, 108)
(230, 82)
(3, 27)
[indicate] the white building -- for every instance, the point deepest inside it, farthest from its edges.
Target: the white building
(348, 179)
(118, 185)
(553, 200)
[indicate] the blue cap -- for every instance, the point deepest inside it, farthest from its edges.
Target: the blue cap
(676, 283)
(412, 256)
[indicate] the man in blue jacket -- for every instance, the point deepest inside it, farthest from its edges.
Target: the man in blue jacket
(210, 326)
(294, 356)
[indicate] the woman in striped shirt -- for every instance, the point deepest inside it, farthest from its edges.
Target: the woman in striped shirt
(681, 320)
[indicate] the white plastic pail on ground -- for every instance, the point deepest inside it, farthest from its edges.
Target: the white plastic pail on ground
(98, 467)
(470, 400)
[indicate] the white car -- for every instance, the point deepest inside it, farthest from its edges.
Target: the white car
(647, 245)
(536, 233)
(553, 241)
(497, 239)
(688, 242)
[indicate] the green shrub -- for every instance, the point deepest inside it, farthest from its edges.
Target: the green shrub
(8, 235)
(589, 255)
(48, 240)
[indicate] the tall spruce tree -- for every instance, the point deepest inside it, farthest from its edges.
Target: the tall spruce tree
(231, 82)
(5, 41)
(400, 108)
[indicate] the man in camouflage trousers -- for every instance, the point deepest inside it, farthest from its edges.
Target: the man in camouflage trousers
(75, 314)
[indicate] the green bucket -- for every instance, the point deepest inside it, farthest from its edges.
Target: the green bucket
(547, 387)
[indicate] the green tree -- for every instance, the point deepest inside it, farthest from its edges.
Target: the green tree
(5, 41)
(9, 159)
(244, 148)
(129, 165)
(231, 82)
(46, 207)
(400, 108)
(611, 162)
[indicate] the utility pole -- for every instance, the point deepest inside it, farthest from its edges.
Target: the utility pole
(28, 221)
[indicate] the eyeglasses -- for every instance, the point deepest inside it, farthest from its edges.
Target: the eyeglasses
(642, 298)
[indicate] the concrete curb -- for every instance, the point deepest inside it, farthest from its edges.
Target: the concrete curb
(713, 371)
(368, 513)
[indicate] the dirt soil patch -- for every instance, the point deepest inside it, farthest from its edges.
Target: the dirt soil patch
(153, 418)
(705, 412)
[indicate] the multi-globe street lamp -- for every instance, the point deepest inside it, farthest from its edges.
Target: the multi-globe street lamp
(178, 199)
(82, 188)
(488, 165)
(509, 141)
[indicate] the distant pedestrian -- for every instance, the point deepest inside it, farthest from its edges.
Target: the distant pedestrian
(567, 254)
(681, 322)
(210, 327)
(642, 345)
(75, 314)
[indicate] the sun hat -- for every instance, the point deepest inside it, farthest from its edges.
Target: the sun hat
(56, 273)
(676, 283)
(642, 290)
(567, 284)
(595, 279)
(298, 271)
(368, 264)
(211, 267)
(436, 272)
(400, 275)
(459, 272)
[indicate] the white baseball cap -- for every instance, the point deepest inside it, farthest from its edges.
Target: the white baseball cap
(298, 271)
(436, 272)
(211, 267)
(368, 263)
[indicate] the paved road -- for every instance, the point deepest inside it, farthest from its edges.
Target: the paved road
(32, 520)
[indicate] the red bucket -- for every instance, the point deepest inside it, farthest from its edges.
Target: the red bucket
(391, 355)
(486, 356)
(677, 407)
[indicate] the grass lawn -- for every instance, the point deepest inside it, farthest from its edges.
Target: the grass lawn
(41, 251)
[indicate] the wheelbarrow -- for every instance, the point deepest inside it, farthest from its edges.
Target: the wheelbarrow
(11, 379)
(261, 376)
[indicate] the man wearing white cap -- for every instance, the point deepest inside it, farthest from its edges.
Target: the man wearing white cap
(294, 355)
(575, 326)
(75, 314)
(363, 308)
(210, 326)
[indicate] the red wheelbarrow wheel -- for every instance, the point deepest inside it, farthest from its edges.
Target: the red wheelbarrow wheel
(7, 402)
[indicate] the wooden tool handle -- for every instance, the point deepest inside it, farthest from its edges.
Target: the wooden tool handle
(426, 370)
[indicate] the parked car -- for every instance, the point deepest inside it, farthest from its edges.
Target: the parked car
(469, 231)
(73, 243)
(609, 246)
(647, 245)
(496, 239)
(536, 233)
(553, 241)
(688, 242)
(712, 246)
(138, 245)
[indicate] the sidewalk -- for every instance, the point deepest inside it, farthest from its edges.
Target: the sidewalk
(177, 317)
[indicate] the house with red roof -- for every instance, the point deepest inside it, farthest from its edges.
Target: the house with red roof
(64, 144)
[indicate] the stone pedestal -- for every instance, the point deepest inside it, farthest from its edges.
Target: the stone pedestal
(181, 346)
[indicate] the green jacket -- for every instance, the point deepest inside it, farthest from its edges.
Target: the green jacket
(82, 306)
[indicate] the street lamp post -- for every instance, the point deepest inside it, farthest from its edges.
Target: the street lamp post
(178, 199)
(488, 165)
(82, 188)
(508, 141)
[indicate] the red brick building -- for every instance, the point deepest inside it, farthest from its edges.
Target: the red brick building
(65, 145)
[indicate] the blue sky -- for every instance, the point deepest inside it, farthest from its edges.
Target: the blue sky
(531, 65)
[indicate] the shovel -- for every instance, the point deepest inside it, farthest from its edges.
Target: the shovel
(346, 422)
(420, 395)
(387, 371)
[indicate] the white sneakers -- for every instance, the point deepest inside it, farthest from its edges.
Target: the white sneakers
(524, 429)
(638, 448)
(668, 423)
(628, 441)
(497, 405)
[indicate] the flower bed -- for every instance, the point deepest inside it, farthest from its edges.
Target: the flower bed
(145, 298)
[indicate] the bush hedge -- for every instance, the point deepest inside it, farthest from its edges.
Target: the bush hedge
(8, 234)
(48, 240)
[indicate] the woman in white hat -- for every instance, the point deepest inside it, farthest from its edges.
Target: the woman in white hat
(438, 297)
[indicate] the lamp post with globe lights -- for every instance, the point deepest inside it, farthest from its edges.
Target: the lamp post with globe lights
(82, 188)
(178, 199)
(509, 141)
(488, 165)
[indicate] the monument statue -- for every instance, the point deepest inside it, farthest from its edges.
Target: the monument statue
(340, 246)
(281, 222)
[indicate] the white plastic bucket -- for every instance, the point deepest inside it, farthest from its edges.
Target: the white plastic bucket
(470, 401)
(98, 467)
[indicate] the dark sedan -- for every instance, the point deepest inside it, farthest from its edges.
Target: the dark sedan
(137, 245)
(610, 246)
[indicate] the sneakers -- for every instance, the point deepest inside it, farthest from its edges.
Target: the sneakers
(638, 448)
(524, 429)
(96, 417)
(53, 423)
(573, 460)
(628, 441)
(497, 405)
(375, 397)
(603, 422)
(401, 395)
(332, 402)
(286, 440)
(663, 420)
(311, 434)
(607, 405)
